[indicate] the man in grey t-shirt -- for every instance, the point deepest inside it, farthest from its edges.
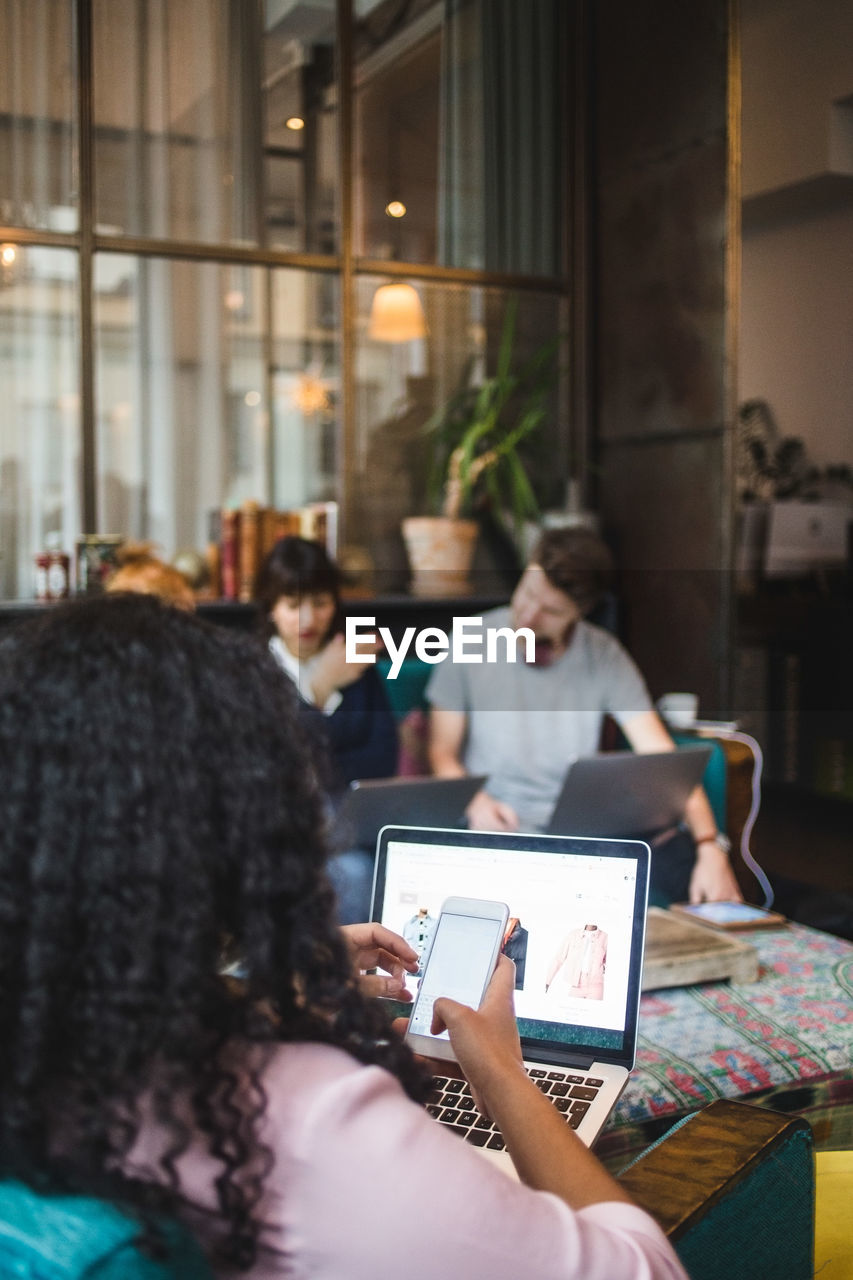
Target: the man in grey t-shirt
(522, 723)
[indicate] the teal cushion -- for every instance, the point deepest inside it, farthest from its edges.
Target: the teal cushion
(760, 1227)
(58, 1237)
(408, 689)
(714, 778)
(764, 1226)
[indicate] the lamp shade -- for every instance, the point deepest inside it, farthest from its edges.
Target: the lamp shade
(396, 314)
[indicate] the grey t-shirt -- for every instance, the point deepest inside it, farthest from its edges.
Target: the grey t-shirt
(527, 723)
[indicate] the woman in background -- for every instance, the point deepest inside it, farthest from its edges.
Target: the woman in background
(298, 593)
(160, 815)
(345, 704)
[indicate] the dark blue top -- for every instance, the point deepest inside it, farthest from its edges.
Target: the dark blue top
(361, 734)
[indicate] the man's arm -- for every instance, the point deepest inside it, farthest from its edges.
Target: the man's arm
(446, 738)
(712, 879)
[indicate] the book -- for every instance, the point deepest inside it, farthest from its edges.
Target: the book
(249, 555)
(229, 553)
(239, 540)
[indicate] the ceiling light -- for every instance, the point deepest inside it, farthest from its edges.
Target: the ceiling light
(294, 122)
(396, 314)
(395, 209)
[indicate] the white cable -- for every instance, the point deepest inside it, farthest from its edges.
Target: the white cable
(725, 731)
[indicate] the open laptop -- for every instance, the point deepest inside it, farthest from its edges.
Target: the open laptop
(580, 908)
(627, 793)
(373, 803)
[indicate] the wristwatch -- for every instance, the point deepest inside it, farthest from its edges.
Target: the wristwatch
(719, 839)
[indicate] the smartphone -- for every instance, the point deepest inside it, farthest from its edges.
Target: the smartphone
(729, 915)
(462, 957)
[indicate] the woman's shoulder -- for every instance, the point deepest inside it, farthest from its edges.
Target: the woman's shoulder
(320, 1064)
(304, 1081)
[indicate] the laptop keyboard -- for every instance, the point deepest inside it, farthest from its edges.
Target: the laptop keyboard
(452, 1104)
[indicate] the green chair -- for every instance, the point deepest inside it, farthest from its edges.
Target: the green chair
(68, 1237)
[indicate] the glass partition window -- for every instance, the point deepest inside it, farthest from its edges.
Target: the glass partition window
(182, 416)
(305, 388)
(300, 127)
(401, 384)
(198, 203)
(461, 134)
(176, 142)
(39, 410)
(185, 389)
(38, 119)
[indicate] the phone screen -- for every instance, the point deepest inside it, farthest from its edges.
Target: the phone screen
(726, 912)
(458, 966)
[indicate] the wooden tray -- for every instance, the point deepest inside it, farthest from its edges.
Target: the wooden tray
(681, 952)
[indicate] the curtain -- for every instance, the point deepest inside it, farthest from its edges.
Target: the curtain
(503, 125)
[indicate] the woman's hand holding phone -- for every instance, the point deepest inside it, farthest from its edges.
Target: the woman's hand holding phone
(545, 1151)
(461, 959)
(485, 1040)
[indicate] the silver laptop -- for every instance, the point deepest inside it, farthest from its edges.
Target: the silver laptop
(576, 934)
(627, 793)
(373, 803)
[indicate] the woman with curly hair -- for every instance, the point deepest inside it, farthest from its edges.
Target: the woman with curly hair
(160, 816)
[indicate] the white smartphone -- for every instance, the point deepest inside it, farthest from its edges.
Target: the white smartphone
(462, 956)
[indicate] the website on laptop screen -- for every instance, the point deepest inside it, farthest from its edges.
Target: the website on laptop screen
(570, 928)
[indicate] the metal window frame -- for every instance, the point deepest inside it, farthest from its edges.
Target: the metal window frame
(345, 264)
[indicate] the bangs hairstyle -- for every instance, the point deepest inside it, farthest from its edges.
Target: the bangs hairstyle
(576, 562)
(296, 567)
(159, 804)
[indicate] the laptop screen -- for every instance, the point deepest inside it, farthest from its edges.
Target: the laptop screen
(577, 916)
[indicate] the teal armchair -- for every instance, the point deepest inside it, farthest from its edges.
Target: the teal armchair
(733, 1187)
(59, 1237)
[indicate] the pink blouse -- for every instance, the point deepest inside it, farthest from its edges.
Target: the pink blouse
(364, 1180)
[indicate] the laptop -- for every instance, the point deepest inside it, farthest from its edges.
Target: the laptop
(373, 803)
(576, 933)
(627, 793)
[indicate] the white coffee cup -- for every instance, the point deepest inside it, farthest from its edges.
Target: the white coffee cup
(679, 709)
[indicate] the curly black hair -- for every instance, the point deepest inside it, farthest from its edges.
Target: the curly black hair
(159, 798)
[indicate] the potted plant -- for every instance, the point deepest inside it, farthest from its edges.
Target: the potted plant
(475, 440)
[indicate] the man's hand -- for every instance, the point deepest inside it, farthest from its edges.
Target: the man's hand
(373, 946)
(485, 813)
(713, 879)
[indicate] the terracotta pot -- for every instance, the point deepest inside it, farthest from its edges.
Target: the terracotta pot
(440, 552)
